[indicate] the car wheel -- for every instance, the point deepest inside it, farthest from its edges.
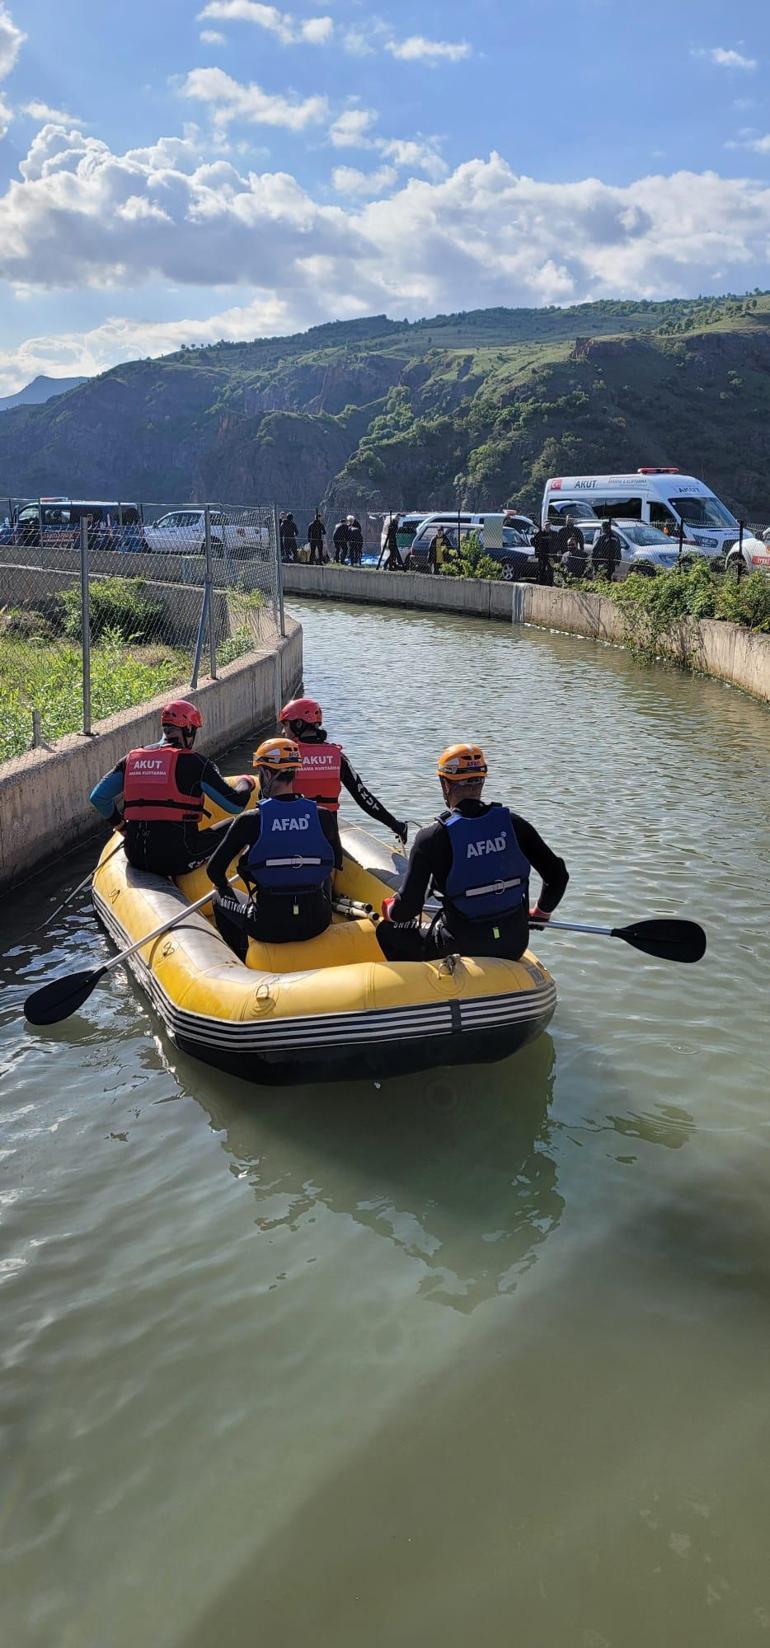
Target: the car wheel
(645, 569)
(509, 572)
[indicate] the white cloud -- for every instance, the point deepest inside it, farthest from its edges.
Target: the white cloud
(11, 41)
(761, 145)
(417, 154)
(229, 100)
(314, 31)
(165, 217)
(416, 49)
(348, 180)
(724, 58)
(6, 116)
(351, 129)
(43, 111)
(212, 37)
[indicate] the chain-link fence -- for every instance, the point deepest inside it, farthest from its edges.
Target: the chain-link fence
(103, 606)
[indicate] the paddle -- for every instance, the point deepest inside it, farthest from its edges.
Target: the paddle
(668, 939)
(56, 1001)
(81, 884)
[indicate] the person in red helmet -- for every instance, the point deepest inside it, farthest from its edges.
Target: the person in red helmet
(325, 770)
(157, 794)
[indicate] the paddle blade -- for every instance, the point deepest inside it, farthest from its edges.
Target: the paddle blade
(670, 940)
(62, 997)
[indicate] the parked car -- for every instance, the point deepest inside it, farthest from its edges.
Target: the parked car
(520, 523)
(183, 532)
(641, 545)
(515, 555)
(54, 523)
(755, 555)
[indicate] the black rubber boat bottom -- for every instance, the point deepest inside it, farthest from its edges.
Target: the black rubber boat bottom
(326, 1064)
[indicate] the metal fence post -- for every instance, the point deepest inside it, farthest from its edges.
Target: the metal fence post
(739, 568)
(210, 584)
(278, 563)
(681, 541)
(85, 625)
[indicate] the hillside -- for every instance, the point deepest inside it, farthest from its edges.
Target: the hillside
(39, 390)
(383, 414)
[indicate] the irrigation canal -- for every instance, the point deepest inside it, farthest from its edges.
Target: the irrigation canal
(481, 1356)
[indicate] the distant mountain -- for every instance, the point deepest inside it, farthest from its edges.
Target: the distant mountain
(39, 390)
(381, 414)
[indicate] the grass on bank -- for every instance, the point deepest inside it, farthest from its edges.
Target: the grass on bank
(47, 677)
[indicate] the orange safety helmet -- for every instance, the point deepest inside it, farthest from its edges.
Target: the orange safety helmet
(461, 762)
(303, 709)
(280, 755)
(180, 713)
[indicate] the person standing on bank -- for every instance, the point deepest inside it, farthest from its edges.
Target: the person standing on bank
(289, 535)
(478, 856)
(286, 860)
(390, 554)
(544, 543)
(606, 551)
(162, 790)
(355, 540)
(325, 770)
(316, 533)
(341, 541)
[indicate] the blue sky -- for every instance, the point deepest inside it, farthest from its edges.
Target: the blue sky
(182, 170)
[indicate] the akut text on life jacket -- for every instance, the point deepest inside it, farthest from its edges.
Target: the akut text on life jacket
(319, 777)
(151, 793)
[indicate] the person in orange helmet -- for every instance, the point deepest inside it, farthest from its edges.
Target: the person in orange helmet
(286, 859)
(326, 770)
(478, 856)
(157, 796)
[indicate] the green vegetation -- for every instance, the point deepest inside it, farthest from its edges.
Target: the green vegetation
(378, 414)
(659, 613)
(48, 678)
(117, 605)
(472, 562)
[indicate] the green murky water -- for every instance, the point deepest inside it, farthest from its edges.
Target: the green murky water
(482, 1356)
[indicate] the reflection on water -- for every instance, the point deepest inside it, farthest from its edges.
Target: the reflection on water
(479, 1355)
(456, 1166)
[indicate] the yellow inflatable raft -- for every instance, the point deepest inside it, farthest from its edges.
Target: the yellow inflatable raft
(327, 1008)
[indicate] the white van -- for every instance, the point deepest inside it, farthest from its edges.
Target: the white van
(660, 497)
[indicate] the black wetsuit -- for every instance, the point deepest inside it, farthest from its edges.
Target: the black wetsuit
(430, 861)
(360, 794)
(274, 918)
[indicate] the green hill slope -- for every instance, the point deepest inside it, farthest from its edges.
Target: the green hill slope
(381, 414)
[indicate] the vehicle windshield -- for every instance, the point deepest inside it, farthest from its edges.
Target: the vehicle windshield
(579, 511)
(704, 512)
(646, 535)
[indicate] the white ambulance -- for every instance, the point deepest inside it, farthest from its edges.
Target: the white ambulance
(660, 497)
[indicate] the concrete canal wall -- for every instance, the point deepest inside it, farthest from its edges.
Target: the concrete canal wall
(727, 651)
(44, 806)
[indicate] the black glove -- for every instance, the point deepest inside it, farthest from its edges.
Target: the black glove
(402, 831)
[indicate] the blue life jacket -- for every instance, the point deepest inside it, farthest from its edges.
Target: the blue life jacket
(292, 854)
(489, 875)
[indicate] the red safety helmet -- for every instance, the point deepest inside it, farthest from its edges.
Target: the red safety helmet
(303, 709)
(181, 714)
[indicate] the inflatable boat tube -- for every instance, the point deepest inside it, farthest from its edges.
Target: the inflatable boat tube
(328, 1008)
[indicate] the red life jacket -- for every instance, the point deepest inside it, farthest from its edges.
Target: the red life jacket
(319, 777)
(151, 794)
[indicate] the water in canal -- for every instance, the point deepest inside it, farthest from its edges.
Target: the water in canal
(481, 1356)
